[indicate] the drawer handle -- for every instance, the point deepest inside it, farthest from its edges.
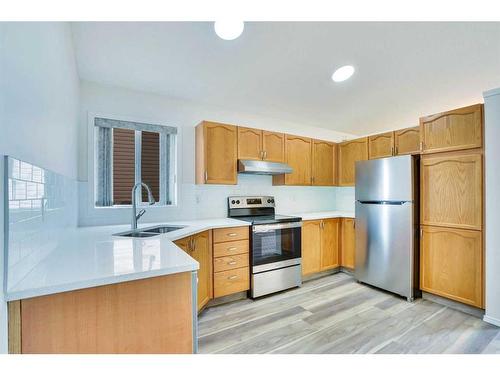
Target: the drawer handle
(232, 277)
(232, 234)
(232, 263)
(232, 248)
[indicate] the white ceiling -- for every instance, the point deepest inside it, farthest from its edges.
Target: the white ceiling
(283, 69)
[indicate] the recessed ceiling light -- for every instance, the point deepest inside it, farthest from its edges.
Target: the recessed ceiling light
(229, 30)
(343, 73)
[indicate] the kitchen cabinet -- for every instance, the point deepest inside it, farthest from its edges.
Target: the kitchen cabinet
(349, 153)
(249, 143)
(273, 146)
(216, 153)
(381, 145)
(320, 245)
(348, 245)
(323, 163)
(451, 190)
(458, 129)
(199, 247)
(231, 260)
(298, 155)
(407, 141)
(451, 264)
(152, 315)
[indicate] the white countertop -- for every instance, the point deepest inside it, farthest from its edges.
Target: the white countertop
(91, 256)
(324, 214)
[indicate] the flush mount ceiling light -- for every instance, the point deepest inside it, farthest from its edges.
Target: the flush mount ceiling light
(229, 30)
(343, 73)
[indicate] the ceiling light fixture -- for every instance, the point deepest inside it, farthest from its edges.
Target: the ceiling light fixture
(343, 73)
(229, 30)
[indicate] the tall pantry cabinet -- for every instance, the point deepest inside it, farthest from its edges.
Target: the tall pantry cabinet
(451, 205)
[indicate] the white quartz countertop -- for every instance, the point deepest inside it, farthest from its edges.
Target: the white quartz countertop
(91, 256)
(324, 214)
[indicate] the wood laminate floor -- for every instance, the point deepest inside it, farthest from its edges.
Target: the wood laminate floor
(335, 314)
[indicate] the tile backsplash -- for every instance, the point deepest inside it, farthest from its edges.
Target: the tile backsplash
(41, 207)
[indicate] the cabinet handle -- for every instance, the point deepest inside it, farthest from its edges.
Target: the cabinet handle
(421, 232)
(421, 146)
(392, 150)
(232, 234)
(232, 248)
(262, 155)
(232, 263)
(396, 150)
(232, 277)
(206, 176)
(265, 154)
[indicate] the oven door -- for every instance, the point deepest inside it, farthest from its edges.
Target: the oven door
(275, 245)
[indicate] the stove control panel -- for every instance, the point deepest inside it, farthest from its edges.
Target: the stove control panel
(251, 202)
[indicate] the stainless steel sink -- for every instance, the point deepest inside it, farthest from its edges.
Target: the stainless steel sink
(149, 232)
(163, 229)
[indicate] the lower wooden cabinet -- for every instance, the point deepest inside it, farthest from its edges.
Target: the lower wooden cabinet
(199, 246)
(348, 243)
(451, 264)
(231, 281)
(320, 245)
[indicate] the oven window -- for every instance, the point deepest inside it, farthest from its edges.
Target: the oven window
(275, 245)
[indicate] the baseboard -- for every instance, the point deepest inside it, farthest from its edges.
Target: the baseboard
(477, 312)
(318, 275)
(491, 320)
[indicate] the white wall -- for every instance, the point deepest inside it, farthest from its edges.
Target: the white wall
(39, 91)
(195, 201)
(492, 204)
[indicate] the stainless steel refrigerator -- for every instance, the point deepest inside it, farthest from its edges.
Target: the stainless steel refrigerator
(387, 224)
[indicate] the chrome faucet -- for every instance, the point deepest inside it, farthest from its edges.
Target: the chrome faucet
(136, 216)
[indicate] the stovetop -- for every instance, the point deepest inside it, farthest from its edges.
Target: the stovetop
(268, 219)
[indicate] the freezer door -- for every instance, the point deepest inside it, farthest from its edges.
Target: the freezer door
(387, 179)
(385, 246)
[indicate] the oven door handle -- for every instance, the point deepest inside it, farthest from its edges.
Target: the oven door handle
(261, 228)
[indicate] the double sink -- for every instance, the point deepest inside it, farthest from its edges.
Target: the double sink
(149, 232)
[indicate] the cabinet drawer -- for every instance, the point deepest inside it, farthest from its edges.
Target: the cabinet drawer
(233, 281)
(231, 234)
(231, 248)
(231, 262)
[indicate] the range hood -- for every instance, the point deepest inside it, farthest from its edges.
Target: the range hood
(262, 167)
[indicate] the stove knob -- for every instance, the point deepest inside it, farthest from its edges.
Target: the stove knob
(238, 201)
(233, 201)
(268, 201)
(272, 200)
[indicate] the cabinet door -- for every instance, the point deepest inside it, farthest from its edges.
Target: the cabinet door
(249, 143)
(407, 141)
(202, 252)
(453, 130)
(349, 153)
(348, 243)
(381, 145)
(451, 264)
(273, 145)
(220, 153)
(451, 190)
(311, 246)
(298, 156)
(323, 163)
(330, 239)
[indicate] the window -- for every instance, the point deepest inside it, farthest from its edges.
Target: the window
(128, 153)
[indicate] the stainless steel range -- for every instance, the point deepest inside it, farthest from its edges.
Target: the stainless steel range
(275, 244)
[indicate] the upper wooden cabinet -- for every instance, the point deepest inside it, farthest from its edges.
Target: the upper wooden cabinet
(216, 153)
(298, 155)
(320, 245)
(249, 143)
(323, 163)
(453, 130)
(199, 246)
(407, 141)
(381, 145)
(451, 190)
(348, 245)
(256, 144)
(451, 264)
(349, 153)
(273, 146)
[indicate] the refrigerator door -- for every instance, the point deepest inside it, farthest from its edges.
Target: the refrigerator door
(387, 179)
(385, 246)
